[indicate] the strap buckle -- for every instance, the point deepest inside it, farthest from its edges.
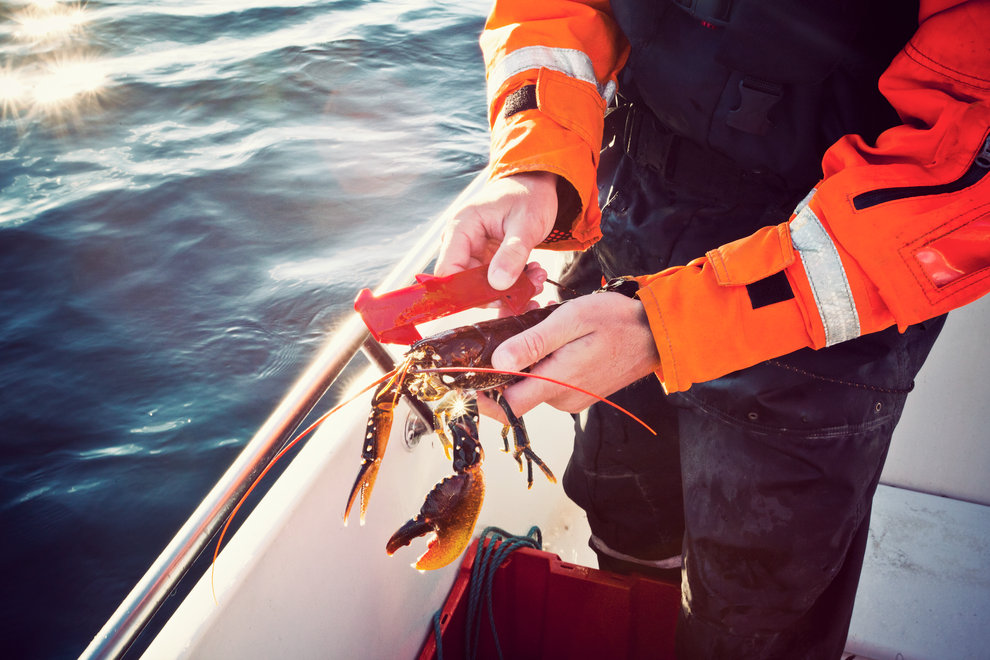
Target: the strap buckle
(757, 98)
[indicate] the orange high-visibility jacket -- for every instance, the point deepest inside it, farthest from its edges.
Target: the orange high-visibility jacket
(894, 233)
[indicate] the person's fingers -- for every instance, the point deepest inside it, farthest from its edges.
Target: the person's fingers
(525, 226)
(537, 274)
(508, 262)
(528, 393)
(532, 345)
(501, 225)
(453, 258)
(598, 343)
(463, 244)
(489, 408)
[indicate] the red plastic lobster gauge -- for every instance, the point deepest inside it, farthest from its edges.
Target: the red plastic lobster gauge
(392, 317)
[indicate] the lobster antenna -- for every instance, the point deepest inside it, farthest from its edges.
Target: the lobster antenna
(526, 374)
(400, 379)
(563, 287)
(396, 374)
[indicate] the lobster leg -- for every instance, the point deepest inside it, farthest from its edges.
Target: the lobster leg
(375, 441)
(442, 417)
(521, 441)
(451, 509)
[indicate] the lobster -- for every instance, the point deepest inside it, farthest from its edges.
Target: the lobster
(449, 368)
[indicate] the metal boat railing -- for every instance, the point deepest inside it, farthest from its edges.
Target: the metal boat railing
(155, 586)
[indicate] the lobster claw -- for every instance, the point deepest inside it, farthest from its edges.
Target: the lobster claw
(451, 509)
(375, 441)
(361, 490)
(450, 512)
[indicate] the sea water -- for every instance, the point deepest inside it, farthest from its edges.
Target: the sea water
(191, 194)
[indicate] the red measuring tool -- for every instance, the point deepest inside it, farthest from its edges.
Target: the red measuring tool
(392, 317)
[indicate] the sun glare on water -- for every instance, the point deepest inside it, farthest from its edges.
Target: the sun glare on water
(65, 80)
(42, 21)
(12, 91)
(60, 79)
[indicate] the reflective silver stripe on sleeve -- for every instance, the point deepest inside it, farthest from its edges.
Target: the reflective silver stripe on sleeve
(827, 277)
(568, 61)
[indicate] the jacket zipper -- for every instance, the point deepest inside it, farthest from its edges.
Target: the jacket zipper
(979, 169)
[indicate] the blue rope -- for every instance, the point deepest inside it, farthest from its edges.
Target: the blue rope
(487, 560)
(438, 633)
(488, 557)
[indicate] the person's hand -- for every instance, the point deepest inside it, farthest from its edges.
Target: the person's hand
(500, 226)
(600, 342)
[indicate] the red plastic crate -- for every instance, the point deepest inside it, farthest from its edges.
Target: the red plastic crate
(547, 608)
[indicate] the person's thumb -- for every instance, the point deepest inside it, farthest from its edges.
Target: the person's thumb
(532, 345)
(508, 262)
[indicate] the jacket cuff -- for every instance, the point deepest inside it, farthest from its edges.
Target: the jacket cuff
(561, 135)
(729, 310)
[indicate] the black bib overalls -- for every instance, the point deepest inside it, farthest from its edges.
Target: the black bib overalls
(762, 479)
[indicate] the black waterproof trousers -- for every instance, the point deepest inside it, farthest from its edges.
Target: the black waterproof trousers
(762, 479)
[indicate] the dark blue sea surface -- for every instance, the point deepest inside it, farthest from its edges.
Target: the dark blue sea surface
(192, 194)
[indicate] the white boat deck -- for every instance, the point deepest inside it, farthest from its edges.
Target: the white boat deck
(925, 588)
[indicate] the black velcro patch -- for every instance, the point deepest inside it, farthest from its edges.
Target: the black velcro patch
(523, 98)
(769, 290)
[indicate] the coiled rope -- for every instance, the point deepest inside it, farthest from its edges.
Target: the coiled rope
(488, 557)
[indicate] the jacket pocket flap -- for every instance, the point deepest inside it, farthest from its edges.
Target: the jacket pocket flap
(753, 258)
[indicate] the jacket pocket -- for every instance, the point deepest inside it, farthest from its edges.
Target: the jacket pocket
(979, 168)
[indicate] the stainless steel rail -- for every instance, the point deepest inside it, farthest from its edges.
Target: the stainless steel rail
(146, 597)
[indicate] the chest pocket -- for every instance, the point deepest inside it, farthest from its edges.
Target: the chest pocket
(773, 44)
(755, 80)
